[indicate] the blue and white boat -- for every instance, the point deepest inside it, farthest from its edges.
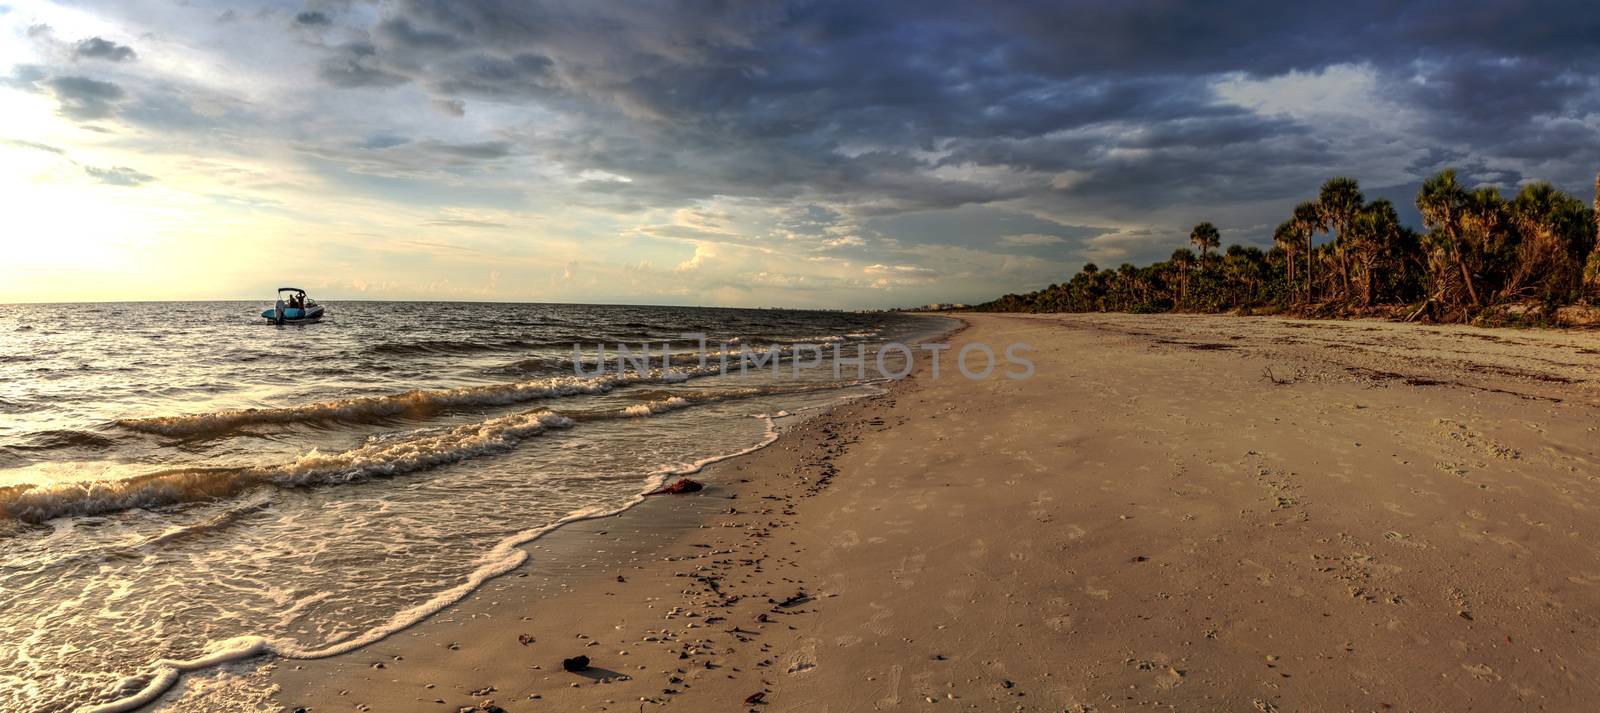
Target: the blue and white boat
(295, 309)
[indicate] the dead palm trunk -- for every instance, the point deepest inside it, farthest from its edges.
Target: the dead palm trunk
(1344, 267)
(1366, 282)
(1311, 271)
(1593, 277)
(1466, 276)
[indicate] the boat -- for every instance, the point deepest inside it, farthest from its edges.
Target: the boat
(304, 311)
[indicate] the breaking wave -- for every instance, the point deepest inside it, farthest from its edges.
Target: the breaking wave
(416, 404)
(423, 403)
(378, 457)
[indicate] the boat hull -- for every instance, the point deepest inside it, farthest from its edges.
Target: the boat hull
(294, 316)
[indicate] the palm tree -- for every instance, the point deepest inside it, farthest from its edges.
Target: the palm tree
(1205, 238)
(1287, 238)
(1480, 248)
(1338, 202)
(1441, 201)
(1374, 238)
(1182, 260)
(1554, 234)
(1485, 228)
(1242, 268)
(1308, 222)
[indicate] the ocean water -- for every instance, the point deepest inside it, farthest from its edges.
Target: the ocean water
(183, 485)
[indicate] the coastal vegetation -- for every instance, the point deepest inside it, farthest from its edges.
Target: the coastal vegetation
(1482, 257)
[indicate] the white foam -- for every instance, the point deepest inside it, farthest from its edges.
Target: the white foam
(654, 407)
(378, 457)
(504, 557)
(423, 402)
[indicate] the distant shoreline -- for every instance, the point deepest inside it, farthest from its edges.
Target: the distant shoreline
(1529, 260)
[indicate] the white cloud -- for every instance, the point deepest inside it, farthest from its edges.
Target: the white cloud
(1032, 240)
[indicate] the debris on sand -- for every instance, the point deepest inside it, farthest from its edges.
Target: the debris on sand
(755, 698)
(681, 485)
(575, 664)
(524, 639)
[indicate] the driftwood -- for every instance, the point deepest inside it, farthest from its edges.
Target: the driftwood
(1425, 305)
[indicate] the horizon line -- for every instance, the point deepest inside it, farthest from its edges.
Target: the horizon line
(494, 302)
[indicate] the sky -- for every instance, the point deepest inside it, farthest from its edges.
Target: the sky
(724, 152)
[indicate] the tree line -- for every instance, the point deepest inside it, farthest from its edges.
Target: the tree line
(1481, 254)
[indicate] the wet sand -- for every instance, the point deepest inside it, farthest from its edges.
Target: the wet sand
(1176, 512)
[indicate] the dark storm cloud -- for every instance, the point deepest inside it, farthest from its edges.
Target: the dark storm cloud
(399, 32)
(885, 108)
(99, 48)
(990, 228)
(1491, 99)
(523, 74)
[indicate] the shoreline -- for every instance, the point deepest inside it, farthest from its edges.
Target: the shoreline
(165, 686)
(571, 561)
(505, 559)
(1191, 512)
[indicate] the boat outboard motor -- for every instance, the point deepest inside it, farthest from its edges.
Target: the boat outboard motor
(280, 313)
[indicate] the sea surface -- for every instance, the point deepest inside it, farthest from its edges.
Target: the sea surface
(184, 485)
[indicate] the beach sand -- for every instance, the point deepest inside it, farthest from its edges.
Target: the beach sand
(1175, 513)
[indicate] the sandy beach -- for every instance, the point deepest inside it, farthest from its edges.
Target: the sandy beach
(1176, 512)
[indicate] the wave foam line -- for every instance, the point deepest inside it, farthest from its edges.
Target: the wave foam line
(416, 403)
(673, 403)
(505, 556)
(376, 458)
(421, 403)
(379, 457)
